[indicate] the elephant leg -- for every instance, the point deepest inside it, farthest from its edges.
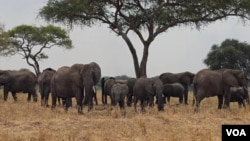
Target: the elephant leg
(181, 99)
(220, 101)
(186, 94)
(5, 94)
(103, 98)
(168, 99)
(96, 102)
(197, 105)
(67, 103)
(14, 96)
(90, 105)
(46, 98)
(29, 97)
(53, 102)
(243, 103)
(164, 99)
(59, 101)
(135, 103)
(122, 107)
(198, 100)
(143, 105)
(122, 104)
(42, 98)
(227, 97)
(79, 100)
(34, 95)
(129, 100)
(239, 104)
(151, 101)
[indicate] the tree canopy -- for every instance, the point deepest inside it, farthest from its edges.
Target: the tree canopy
(2, 36)
(145, 18)
(31, 42)
(230, 54)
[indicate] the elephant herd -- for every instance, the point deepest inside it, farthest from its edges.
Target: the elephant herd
(79, 81)
(229, 85)
(76, 81)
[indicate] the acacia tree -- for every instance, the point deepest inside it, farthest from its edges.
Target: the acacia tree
(30, 42)
(2, 36)
(146, 18)
(230, 54)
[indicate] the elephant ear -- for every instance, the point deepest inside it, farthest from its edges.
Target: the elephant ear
(232, 78)
(4, 77)
(186, 78)
(150, 87)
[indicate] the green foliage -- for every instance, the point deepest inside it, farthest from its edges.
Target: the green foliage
(30, 42)
(146, 18)
(3, 39)
(230, 54)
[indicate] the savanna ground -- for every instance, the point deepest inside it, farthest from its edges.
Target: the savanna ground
(28, 121)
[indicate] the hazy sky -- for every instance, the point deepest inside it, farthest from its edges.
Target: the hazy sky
(177, 50)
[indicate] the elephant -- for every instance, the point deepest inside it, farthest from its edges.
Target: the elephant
(76, 81)
(185, 78)
(106, 89)
(239, 95)
(173, 90)
(208, 83)
(130, 83)
(118, 92)
(145, 89)
(18, 81)
(44, 80)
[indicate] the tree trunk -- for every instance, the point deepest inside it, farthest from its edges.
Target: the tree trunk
(133, 53)
(143, 66)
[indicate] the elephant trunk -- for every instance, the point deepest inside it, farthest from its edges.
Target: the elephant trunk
(159, 100)
(117, 97)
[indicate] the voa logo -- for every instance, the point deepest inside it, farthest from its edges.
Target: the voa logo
(236, 132)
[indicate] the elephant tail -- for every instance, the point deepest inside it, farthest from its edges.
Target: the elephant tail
(194, 93)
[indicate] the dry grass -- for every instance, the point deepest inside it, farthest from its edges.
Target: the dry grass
(30, 122)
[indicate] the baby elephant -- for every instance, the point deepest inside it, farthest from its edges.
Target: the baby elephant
(118, 94)
(238, 95)
(173, 90)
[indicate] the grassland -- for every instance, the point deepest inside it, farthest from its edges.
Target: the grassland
(28, 121)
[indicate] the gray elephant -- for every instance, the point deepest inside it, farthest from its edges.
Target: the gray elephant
(18, 81)
(145, 89)
(107, 84)
(239, 95)
(208, 83)
(130, 83)
(76, 81)
(173, 90)
(44, 80)
(118, 94)
(185, 78)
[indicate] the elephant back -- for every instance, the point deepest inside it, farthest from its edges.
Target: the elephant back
(130, 83)
(168, 78)
(25, 75)
(46, 75)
